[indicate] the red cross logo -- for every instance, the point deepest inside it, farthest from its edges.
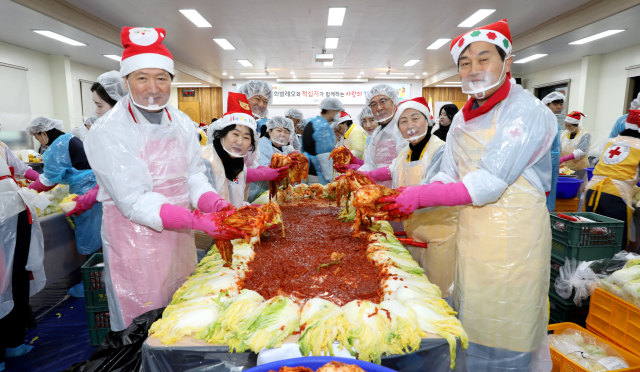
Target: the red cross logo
(614, 152)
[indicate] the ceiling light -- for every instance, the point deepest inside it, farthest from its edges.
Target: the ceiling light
(424, 73)
(264, 77)
(193, 83)
(452, 82)
(328, 64)
(230, 77)
(391, 77)
(476, 17)
(244, 62)
(331, 42)
(255, 73)
(336, 16)
(195, 17)
(292, 73)
(596, 37)
(224, 73)
(531, 58)
(411, 62)
(438, 43)
(113, 56)
(326, 73)
(396, 73)
(224, 44)
(324, 57)
(448, 86)
(361, 72)
(59, 37)
(294, 76)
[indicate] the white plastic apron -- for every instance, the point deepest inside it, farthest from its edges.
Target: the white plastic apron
(502, 272)
(375, 158)
(145, 267)
(12, 202)
(568, 146)
(436, 226)
(231, 191)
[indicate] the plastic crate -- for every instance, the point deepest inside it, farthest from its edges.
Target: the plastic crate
(99, 324)
(92, 280)
(565, 311)
(556, 264)
(561, 363)
(616, 319)
(574, 240)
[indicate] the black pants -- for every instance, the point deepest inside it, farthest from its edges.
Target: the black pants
(610, 206)
(12, 326)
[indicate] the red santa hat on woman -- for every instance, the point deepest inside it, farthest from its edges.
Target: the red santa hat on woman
(143, 49)
(574, 117)
(496, 33)
(418, 103)
(238, 112)
(344, 117)
(633, 120)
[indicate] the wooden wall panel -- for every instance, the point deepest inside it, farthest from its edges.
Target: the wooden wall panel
(216, 99)
(210, 102)
(205, 105)
(444, 94)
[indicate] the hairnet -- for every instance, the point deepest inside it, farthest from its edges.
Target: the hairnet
(113, 85)
(365, 113)
(254, 88)
(331, 103)
(280, 121)
(384, 90)
(90, 120)
(43, 124)
(554, 96)
(635, 103)
(294, 114)
(225, 121)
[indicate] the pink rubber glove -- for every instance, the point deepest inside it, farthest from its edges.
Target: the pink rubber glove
(340, 168)
(567, 158)
(84, 202)
(263, 173)
(176, 217)
(39, 187)
(412, 198)
(379, 175)
(210, 202)
(31, 175)
(355, 160)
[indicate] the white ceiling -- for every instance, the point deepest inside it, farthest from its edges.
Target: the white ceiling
(284, 35)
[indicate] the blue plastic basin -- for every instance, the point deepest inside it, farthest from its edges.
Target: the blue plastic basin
(589, 173)
(567, 187)
(316, 362)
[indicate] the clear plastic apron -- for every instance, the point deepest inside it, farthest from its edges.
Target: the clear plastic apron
(568, 145)
(436, 226)
(231, 191)
(145, 267)
(502, 272)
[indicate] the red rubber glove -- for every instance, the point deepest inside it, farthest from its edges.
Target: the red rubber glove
(210, 202)
(84, 202)
(567, 158)
(31, 175)
(39, 187)
(412, 198)
(176, 217)
(263, 173)
(342, 168)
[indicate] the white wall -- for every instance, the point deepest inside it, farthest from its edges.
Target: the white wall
(568, 71)
(312, 111)
(84, 72)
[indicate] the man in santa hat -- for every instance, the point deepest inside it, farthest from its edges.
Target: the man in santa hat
(352, 136)
(147, 161)
(497, 168)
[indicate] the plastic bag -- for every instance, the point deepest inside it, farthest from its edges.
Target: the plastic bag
(621, 277)
(578, 275)
(587, 351)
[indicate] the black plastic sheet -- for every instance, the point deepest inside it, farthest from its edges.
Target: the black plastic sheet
(120, 351)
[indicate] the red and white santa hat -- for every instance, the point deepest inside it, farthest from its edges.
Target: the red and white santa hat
(418, 103)
(344, 117)
(238, 112)
(496, 33)
(574, 117)
(633, 120)
(143, 48)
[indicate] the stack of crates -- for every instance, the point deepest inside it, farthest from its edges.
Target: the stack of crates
(95, 296)
(584, 241)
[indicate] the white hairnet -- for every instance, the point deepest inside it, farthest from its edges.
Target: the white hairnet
(554, 96)
(113, 85)
(254, 88)
(90, 120)
(294, 114)
(635, 103)
(384, 90)
(43, 124)
(365, 113)
(331, 103)
(280, 121)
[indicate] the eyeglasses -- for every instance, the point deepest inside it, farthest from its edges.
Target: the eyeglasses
(381, 102)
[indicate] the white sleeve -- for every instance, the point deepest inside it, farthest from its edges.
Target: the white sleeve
(19, 167)
(583, 147)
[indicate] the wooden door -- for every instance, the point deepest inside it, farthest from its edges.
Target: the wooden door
(192, 109)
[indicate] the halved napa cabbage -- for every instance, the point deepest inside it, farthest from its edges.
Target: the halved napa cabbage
(392, 284)
(369, 329)
(400, 261)
(322, 322)
(234, 312)
(220, 281)
(403, 334)
(185, 319)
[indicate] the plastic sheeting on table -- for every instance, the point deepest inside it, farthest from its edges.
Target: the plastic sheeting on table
(433, 352)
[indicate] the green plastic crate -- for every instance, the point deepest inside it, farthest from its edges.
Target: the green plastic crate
(92, 280)
(577, 234)
(555, 262)
(562, 251)
(99, 324)
(565, 311)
